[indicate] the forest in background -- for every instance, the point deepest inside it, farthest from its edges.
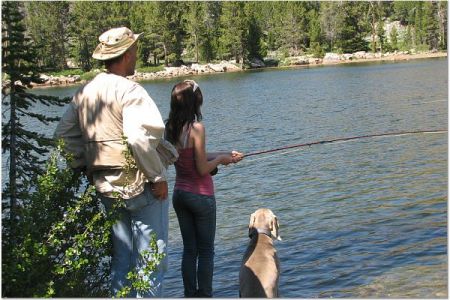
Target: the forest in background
(66, 33)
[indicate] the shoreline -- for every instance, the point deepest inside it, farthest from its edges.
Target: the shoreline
(228, 67)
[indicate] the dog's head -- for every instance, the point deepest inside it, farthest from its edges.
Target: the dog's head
(265, 219)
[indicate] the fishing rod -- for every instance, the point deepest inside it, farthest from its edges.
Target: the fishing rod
(345, 139)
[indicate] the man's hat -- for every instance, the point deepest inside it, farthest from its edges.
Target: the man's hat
(114, 43)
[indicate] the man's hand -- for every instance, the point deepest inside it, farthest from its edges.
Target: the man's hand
(160, 190)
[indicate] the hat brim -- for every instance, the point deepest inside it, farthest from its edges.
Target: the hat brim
(99, 54)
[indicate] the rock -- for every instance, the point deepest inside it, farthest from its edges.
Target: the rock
(360, 54)
(257, 63)
(331, 56)
(297, 60)
(347, 56)
(216, 67)
(271, 62)
(44, 77)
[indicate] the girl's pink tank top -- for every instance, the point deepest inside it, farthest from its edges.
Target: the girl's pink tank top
(187, 177)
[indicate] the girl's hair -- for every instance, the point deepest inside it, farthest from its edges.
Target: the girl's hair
(184, 109)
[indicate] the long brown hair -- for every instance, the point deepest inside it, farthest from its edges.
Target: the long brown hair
(184, 109)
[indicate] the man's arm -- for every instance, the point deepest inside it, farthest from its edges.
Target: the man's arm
(69, 130)
(143, 127)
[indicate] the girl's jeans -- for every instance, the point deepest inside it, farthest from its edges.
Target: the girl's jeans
(197, 218)
(141, 216)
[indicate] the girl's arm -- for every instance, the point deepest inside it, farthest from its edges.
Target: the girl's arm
(201, 157)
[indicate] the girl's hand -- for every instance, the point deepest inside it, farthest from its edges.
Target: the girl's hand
(236, 156)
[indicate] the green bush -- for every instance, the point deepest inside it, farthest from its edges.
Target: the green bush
(60, 243)
(150, 69)
(67, 72)
(88, 75)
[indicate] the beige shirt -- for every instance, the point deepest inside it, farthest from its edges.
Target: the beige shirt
(101, 112)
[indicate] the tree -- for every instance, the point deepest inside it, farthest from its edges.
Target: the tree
(210, 36)
(47, 23)
(195, 25)
(381, 35)
(393, 38)
(25, 147)
(168, 27)
(442, 17)
(234, 30)
(353, 30)
(431, 24)
(331, 20)
(255, 44)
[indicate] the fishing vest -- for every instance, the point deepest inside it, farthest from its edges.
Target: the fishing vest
(100, 117)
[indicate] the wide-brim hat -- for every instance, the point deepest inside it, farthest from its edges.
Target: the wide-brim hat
(114, 43)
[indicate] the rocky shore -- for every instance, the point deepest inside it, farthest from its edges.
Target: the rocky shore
(231, 66)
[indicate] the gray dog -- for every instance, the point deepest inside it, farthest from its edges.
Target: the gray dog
(260, 269)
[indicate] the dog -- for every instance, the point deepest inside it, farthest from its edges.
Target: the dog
(260, 269)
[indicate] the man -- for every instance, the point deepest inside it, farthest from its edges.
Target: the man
(101, 113)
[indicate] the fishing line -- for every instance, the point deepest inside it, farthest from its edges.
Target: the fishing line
(433, 101)
(337, 140)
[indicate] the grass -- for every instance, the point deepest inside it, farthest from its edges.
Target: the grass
(150, 69)
(66, 72)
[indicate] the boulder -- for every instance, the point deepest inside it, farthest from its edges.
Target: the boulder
(331, 56)
(257, 63)
(360, 54)
(217, 67)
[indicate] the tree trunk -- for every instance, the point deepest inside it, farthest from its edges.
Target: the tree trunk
(441, 16)
(196, 47)
(12, 155)
(166, 63)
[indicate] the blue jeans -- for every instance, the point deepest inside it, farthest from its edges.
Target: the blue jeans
(141, 216)
(197, 218)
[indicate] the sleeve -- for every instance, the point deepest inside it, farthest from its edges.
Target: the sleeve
(69, 130)
(143, 127)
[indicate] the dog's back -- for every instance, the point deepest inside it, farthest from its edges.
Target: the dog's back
(259, 273)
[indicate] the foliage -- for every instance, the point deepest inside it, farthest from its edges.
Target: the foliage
(214, 30)
(62, 246)
(25, 148)
(150, 69)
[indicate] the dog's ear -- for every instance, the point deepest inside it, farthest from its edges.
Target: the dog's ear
(274, 228)
(252, 220)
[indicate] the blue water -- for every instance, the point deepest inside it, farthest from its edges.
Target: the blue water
(366, 218)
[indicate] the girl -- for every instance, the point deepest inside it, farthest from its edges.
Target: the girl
(193, 196)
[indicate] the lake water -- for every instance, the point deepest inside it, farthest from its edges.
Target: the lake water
(366, 218)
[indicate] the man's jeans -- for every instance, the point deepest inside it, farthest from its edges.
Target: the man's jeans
(197, 218)
(141, 216)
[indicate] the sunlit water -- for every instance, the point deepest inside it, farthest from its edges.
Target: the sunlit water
(365, 218)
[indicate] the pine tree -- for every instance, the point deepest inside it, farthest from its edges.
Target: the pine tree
(234, 30)
(431, 25)
(47, 23)
(393, 38)
(353, 30)
(25, 147)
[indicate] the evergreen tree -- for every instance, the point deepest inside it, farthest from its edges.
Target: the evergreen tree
(431, 25)
(353, 30)
(47, 22)
(25, 147)
(331, 19)
(168, 24)
(442, 17)
(393, 38)
(234, 30)
(195, 25)
(381, 35)
(211, 33)
(255, 44)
